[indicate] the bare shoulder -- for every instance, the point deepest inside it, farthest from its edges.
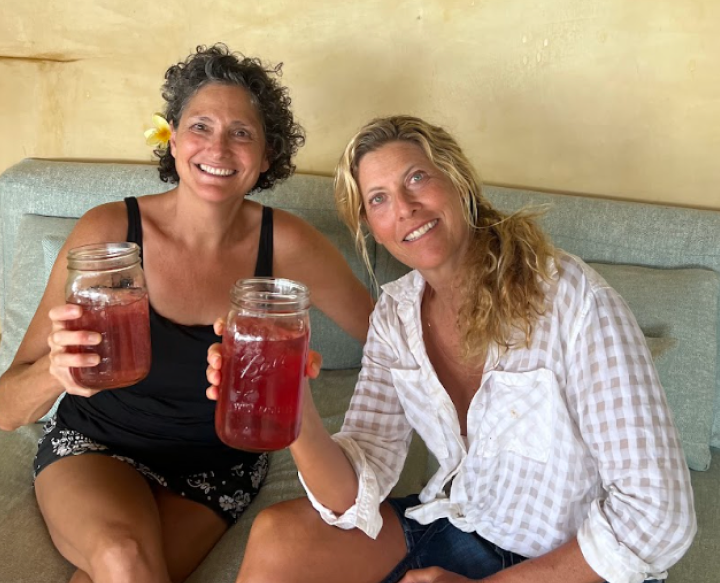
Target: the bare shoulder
(304, 254)
(106, 222)
(297, 244)
(294, 235)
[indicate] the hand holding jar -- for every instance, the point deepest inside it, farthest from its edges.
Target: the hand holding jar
(261, 366)
(107, 283)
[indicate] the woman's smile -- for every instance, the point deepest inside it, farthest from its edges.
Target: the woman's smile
(216, 171)
(417, 233)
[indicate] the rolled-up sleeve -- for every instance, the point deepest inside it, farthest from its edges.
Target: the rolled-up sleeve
(644, 521)
(375, 436)
(365, 513)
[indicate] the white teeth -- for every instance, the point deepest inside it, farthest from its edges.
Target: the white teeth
(216, 171)
(417, 233)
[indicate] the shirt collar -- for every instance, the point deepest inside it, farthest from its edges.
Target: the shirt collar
(407, 289)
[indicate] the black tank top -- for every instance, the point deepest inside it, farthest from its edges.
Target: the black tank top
(165, 420)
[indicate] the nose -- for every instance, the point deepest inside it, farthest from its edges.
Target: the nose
(218, 143)
(407, 203)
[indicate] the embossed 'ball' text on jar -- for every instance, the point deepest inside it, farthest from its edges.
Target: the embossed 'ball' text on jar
(106, 280)
(264, 352)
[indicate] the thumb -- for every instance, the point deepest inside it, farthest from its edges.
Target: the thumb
(314, 363)
(219, 326)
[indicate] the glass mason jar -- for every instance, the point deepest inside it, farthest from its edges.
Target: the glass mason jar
(264, 351)
(106, 280)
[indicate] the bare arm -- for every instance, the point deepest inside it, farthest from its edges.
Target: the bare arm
(562, 565)
(321, 461)
(326, 470)
(306, 255)
(302, 253)
(39, 372)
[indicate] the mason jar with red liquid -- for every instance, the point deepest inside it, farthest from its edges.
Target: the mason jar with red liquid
(264, 352)
(107, 282)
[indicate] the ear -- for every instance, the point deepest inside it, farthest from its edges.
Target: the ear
(265, 166)
(172, 139)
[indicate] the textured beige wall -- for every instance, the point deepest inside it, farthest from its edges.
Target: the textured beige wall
(617, 98)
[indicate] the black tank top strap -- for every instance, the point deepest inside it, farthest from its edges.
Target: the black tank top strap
(263, 267)
(134, 232)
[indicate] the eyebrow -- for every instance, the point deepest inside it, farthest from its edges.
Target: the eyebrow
(404, 174)
(234, 122)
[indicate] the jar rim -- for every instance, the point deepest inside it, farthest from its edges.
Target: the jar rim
(277, 294)
(107, 250)
(104, 256)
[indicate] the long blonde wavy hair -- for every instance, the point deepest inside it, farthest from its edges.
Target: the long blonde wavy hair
(507, 262)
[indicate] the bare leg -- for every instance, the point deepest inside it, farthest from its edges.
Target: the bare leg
(290, 543)
(103, 518)
(189, 532)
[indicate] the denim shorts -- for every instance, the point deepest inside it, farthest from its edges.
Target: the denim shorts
(440, 544)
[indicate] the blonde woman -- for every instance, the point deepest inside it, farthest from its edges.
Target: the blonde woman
(524, 373)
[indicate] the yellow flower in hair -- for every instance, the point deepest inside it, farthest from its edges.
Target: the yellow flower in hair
(159, 136)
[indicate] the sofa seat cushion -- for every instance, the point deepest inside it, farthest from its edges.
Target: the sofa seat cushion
(27, 535)
(27, 554)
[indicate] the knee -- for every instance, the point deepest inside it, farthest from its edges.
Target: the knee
(274, 525)
(122, 557)
(278, 540)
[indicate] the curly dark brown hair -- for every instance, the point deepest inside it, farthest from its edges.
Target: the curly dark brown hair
(217, 64)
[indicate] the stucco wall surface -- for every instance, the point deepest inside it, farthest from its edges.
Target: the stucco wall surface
(613, 98)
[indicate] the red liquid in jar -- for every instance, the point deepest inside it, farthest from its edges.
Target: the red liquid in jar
(260, 395)
(122, 318)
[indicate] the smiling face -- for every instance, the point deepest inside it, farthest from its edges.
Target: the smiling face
(219, 144)
(413, 210)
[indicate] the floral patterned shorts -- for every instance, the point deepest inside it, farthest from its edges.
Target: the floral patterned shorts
(227, 491)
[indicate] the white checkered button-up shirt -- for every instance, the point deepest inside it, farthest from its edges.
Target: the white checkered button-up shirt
(571, 436)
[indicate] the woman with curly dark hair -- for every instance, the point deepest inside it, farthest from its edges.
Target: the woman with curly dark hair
(160, 488)
(216, 64)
